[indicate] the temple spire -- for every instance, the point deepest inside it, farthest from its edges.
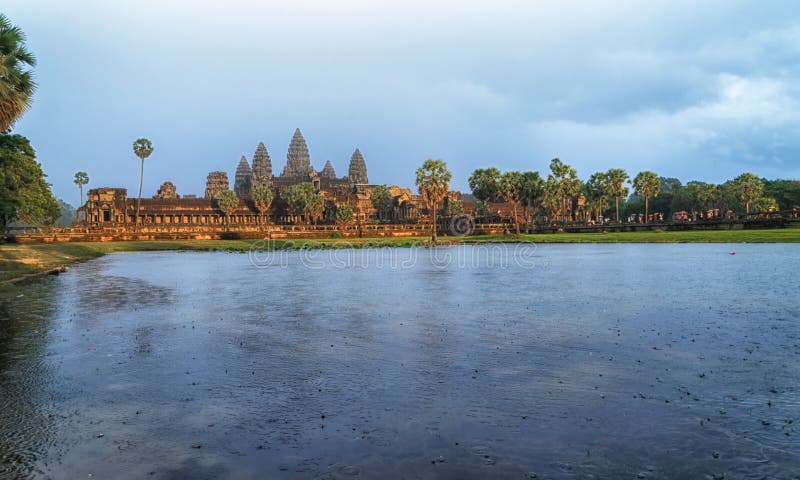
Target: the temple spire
(243, 180)
(262, 166)
(298, 160)
(328, 171)
(358, 168)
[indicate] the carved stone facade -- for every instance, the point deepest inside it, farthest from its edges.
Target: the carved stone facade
(167, 191)
(215, 183)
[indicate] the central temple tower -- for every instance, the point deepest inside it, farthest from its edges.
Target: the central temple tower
(298, 160)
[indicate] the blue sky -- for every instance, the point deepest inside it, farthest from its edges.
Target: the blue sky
(696, 90)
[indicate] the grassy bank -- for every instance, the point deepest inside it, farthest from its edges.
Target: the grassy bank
(17, 261)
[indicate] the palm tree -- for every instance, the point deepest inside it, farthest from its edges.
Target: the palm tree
(564, 180)
(16, 81)
(433, 181)
(143, 148)
(511, 188)
(599, 189)
(646, 185)
(748, 187)
(81, 179)
(616, 178)
(262, 197)
(533, 190)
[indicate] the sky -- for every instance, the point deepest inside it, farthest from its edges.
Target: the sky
(699, 90)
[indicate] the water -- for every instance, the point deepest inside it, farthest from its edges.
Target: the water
(595, 361)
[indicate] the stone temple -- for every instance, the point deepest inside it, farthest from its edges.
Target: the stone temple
(111, 206)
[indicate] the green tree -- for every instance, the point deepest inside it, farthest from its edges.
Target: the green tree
(646, 185)
(616, 178)
(143, 148)
(25, 195)
(16, 78)
(433, 181)
(482, 208)
(764, 204)
(227, 201)
(598, 188)
(485, 184)
(563, 181)
(532, 193)
(511, 190)
(303, 200)
(382, 200)
(262, 198)
(344, 215)
(786, 192)
(748, 187)
(81, 179)
(314, 207)
(454, 207)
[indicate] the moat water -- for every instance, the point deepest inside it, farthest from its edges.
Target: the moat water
(573, 361)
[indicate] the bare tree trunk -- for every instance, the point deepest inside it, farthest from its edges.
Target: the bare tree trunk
(646, 209)
(139, 198)
(433, 235)
(516, 220)
(616, 200)
(77, 215)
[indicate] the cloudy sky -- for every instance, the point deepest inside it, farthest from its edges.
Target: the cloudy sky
(692, 89)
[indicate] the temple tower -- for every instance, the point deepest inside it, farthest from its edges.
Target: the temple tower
(262, 166)
(358, 168)
(167, 191)
(328, 171)
(298, 160)
(243, 181)
(215, 183)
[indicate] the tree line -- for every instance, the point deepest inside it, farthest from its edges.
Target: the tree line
(555, 198)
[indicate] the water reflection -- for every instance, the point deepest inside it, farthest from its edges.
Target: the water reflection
(603, 361)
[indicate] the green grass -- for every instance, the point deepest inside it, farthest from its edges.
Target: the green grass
(25, 259)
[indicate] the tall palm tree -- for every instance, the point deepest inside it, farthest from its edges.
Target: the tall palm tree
(511, 188)
(599, 189)
(16, 80)
(533, 190)
(646, 185)
(748, 187)
(565, 181)
(143, 148)
(433, 181)
(616, 178)
(81, 179)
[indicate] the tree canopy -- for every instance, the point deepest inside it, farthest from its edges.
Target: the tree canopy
(16, 78)
(485, 184)
(304, 200)
(381, 200)
(344, 215)
(25, 195)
